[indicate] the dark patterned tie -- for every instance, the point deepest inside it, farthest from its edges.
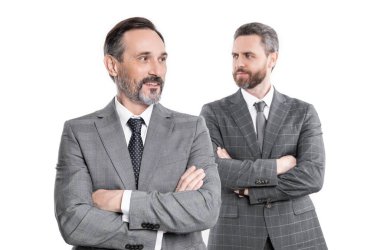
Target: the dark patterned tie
(260, 123)
(136, 146)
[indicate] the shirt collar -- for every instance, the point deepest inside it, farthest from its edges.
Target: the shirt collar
(251, 99)
(125, 114)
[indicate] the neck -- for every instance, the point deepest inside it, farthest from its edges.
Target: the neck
(261, 89)
(134, 107)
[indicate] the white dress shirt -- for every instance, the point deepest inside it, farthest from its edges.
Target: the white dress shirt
(124, 116)
(251, 100)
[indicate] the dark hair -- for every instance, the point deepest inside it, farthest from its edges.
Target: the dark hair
(113, 44)
(268, 35)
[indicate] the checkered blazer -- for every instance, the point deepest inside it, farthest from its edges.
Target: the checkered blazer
(277, 206)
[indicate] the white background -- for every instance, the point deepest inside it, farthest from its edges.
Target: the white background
(52, 70)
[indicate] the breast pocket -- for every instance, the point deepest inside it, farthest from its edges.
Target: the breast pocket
(172, 159)
(168, 172)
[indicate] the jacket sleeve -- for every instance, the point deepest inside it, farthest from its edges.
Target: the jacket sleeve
(238, 174)
(187, 211)
(80, 222)
(308, 175)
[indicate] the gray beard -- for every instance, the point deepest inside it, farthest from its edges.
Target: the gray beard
(137, 95)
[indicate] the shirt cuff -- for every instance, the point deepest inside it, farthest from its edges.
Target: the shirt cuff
(125, 204)
(160, 235)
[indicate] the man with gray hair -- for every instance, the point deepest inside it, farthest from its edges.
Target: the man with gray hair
(270, 155)
(136, 175)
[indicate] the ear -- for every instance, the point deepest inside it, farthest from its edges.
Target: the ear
(272, 60)
(111, 65)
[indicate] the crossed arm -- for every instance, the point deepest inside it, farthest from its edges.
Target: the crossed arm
(193, 206)
(110, 200)
(283, 165)
(285, 178)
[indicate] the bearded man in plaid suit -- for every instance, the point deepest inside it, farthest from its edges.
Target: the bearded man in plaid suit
(270, 155)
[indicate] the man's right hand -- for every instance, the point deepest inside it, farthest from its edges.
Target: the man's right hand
(192, 179)
(285, 163)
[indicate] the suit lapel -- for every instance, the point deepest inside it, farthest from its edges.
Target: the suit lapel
(278, 111)
(112, 136)
(240, 114)
(160, 127)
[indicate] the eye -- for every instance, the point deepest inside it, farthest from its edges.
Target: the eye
(249, 56)
(162, 59)
(143, 58)
(235, 56)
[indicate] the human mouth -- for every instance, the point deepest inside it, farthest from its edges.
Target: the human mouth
(241, 73)
(152, 84)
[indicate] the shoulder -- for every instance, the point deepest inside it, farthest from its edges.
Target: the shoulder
(228, 100)
(221, 106)
(297, 105)
(184, 122)
(91, 117)
(178, 117)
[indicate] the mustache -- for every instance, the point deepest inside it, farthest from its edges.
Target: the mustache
(241, 71)
(155, 79)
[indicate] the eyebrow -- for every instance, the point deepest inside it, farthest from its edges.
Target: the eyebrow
(245, 52)
(146, 53)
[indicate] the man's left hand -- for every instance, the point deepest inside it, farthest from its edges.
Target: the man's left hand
(242, 192)
(222, 153)
(109, 200)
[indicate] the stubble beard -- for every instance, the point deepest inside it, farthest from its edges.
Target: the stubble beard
(253, 79)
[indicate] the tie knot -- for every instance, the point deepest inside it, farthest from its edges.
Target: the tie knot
(135, 124)
(259, 106)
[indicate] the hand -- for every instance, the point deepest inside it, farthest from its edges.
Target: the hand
(222, 153)
(285, 163)
(192, 179)
(242, 192)
(109, 200)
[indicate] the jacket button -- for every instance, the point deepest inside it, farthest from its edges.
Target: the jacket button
(156, 226)
(143, 225)
(268, 205)
(127, 246)
(141, 247)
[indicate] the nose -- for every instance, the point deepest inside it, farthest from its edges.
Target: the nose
(157, 68)
(239, 63)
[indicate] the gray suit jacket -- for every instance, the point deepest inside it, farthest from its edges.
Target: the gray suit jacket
(93, 155)
(278, 206)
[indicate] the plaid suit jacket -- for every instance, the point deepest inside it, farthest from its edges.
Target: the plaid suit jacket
(277, 206)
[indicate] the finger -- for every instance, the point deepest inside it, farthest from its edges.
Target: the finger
(186, 178)
(199, 185)
(226, 155)
(219, 152)
(195, 181)
(184, 175)
(189, 179)
(237, 192)
(246, 192)
(222, 153)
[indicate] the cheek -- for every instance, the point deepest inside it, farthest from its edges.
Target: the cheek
(137, 72)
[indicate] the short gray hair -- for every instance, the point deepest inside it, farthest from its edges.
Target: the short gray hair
(267, 34)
